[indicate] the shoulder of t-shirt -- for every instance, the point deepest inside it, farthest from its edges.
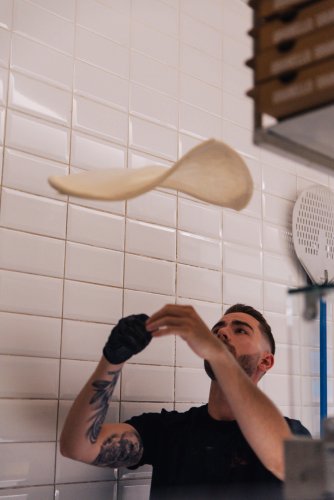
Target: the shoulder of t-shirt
(165, 417)
(297, 427)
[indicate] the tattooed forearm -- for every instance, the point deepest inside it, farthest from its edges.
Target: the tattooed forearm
(103, 391)
(120, 450)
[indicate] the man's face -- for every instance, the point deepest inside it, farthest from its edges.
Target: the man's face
(242, 336)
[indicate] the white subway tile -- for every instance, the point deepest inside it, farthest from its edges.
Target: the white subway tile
(199, 283)
(237, 81)
(310, 361)
(6, 14)
(238, 110)
(191, 384)
(136, 302)
(283, 389)
(154, 74)
(95, 265)
(150, 240)
(2, 125)
(185, 356)
(40, 99)
(201, 36)
(153, 105)
(150, 275)
(71, 471)
(237, 20)
(100, 85)
(30, 173)
(23, 377)
(27, 293)
(283, 333)
(3, 86)
(200, 65)
(187, 142)
(199, 251)
(98, 119)
(240, 289)
(280, 268)
(277, 210)
(241, 139)
(103, 490)
(83, 340)
(29, 335)
(73, 376)
(41, 61)
(147, 383)
(31, 253)
(310, 390)
(63, 8)
(279, 183)
(89, 153)
(198, 122)
(156, 207)
(1, 162)
(93, 48)
(135, 489)
(275, 297)
(155, 44)
(238, 228)
(209, 312)
(200, 94)
(160, 351)
(277, 239)
(5, 44)
(124, 6)
(243, 260)
(212, 14)
(199, 219)
(316, 173)
(26, 464)
(37, 136)
(34, 492)
(27, 420)
(157, 14)
(287, 360)
(104, 21)
(43, 26)
(88, 302)
(116, 207)
(32, 213)
(153, 138)
(95, 228)
(137, 159)
(236, 51)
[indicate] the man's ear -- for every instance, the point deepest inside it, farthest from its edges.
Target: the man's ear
(266, 362)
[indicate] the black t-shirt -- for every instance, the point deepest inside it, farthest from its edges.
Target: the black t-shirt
(193, 448)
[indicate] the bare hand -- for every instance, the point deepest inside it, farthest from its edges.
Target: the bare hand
(187, 324)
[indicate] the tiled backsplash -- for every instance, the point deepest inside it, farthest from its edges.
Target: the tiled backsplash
(87, 84)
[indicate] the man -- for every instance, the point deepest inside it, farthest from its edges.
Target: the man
(237, 437)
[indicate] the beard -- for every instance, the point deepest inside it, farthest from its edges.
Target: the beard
(248, 362)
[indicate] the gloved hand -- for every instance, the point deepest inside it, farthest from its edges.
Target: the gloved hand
(127, 338)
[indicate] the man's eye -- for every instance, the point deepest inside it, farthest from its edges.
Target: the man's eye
(241, 330)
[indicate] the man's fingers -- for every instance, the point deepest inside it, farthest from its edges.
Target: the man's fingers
(166, 321)
(175, 310)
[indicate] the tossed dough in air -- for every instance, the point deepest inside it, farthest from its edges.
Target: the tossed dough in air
(212, 172)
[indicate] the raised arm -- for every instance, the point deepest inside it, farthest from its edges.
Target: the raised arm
(260, 421)
(85, 436)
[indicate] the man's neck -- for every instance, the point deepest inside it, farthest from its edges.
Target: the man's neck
(218, 407)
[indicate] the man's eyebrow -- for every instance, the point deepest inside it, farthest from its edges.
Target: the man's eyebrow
(235, 322)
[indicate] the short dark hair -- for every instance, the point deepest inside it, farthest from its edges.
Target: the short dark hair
(264, 326)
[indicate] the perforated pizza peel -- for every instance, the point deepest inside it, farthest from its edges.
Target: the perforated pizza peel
(313, 240)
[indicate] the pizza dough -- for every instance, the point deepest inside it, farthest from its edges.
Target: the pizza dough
(212, 172)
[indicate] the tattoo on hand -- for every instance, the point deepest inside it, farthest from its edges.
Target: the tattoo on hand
(103, 392)
(120, 450)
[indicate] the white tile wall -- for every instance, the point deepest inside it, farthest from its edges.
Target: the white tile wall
(120, 83)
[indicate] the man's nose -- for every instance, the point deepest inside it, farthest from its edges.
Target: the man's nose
(224, 333)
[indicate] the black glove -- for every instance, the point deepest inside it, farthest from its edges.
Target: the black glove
(127, 338)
